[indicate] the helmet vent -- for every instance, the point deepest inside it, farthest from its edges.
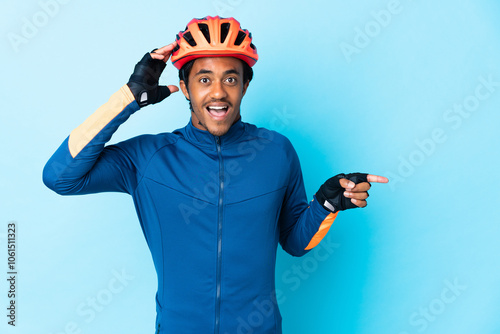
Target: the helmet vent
(189, 38)
(252, 46)
(224, 30)
(240, 38)
(204, 29)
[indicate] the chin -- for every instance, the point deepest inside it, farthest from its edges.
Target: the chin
(218, 132)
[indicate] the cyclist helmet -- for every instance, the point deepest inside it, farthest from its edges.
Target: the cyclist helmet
(214, 37)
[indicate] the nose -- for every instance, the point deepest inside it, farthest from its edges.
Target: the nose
(217, 90)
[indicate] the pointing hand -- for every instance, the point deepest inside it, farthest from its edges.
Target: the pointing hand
(347, 191)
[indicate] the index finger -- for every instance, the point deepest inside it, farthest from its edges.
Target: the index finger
(164, 52)
(166, 48)
(377, 178)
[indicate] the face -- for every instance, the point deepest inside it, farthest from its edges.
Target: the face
(215, 90)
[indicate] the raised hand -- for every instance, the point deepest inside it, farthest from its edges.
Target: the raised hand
(144, 81)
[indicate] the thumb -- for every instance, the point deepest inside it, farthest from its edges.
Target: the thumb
(345, 183)
(173, 88)
(163, 93)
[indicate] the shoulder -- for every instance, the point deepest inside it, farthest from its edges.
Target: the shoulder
(276, 146)
(146, 145)
(267, 136)
(154, 140)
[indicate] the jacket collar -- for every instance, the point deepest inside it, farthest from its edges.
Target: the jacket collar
(204, 138)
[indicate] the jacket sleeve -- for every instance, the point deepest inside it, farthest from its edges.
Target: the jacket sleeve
(82, 164)
(302, 225)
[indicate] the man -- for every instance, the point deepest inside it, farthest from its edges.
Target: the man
(213, 198)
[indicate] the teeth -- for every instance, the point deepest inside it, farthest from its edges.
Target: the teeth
(216, 108)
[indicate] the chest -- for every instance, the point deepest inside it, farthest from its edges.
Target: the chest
(234, 174)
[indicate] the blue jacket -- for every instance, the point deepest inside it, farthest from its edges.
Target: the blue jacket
(212, 210)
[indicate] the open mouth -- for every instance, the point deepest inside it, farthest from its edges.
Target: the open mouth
(217, 112)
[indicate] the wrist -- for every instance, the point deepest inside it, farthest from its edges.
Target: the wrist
(323, 201)
(140, 94)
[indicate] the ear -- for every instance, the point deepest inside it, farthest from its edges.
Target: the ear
(184, 89)
(245, 86)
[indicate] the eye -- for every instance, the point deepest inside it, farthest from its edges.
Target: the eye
(231, 80)
(204, 80)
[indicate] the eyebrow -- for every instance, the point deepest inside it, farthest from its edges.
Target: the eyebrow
(203, 71)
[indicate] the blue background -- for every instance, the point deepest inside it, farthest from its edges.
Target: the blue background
(369, 86)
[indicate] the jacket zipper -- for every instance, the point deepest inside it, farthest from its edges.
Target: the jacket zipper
(219, 238)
